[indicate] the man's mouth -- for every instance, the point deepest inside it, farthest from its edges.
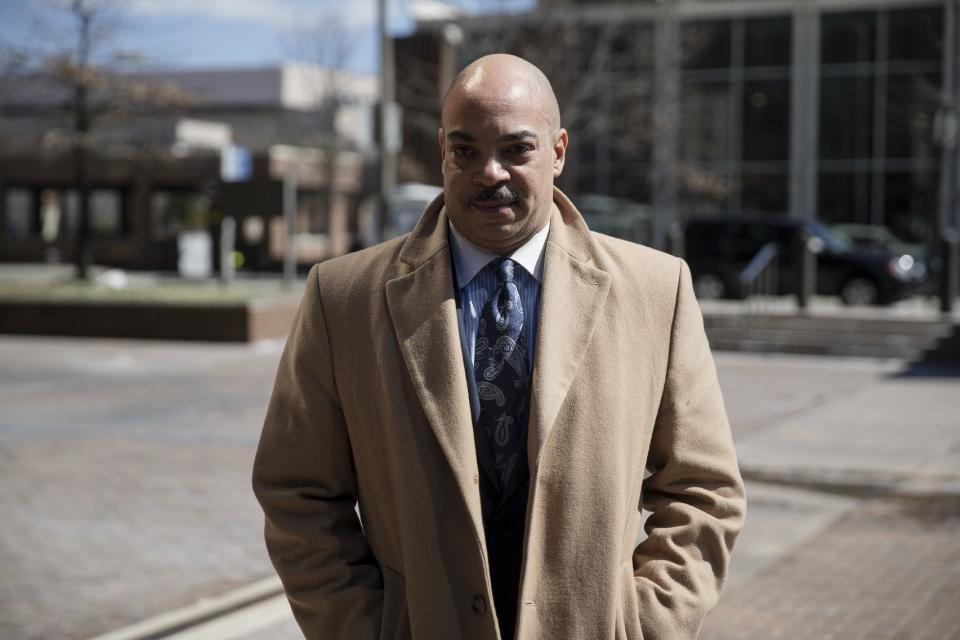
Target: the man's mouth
(495, 200)
(493, 206)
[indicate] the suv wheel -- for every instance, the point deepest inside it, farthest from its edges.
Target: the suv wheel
(859, 290)
(709, 286)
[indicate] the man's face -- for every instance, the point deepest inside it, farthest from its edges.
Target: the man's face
(500, 157)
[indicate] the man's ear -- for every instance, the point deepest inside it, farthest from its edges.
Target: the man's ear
(559, 152)
(440, 140)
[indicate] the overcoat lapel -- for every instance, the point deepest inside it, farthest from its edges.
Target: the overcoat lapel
(571, 296)
(423, 310)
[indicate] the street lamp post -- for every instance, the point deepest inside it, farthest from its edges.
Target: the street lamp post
(387, 119)
(949, 138)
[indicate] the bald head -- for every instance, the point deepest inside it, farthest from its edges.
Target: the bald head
(505, 78)
(502, 147)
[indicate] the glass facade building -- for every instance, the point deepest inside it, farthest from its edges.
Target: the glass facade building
(814, 109)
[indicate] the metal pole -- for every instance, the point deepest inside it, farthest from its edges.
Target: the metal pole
(451, 36)
(804, 111)
(666, 115)
(386, 118)
(290, 218)
(949, 225)
(228, 234)
(805, 252)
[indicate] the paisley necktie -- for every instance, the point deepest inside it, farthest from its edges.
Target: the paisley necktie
(502, 374)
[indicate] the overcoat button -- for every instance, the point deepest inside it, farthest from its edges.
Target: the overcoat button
(479, 604)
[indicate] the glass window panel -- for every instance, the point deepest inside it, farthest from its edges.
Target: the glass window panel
(631, 181)
(846, 117)
(631, 47)
(588, 40)
(848, 37)
(844, 197)
(766, 120)
(316, 207)
(910, 204)
(607, 46)
(916, 34)
(705, 121)
(768, 42)
(912, 103)
(106, 212)
(705, 45)
(71, 209)
(18, 216)
(585, 158)
(629, 125)
(764, 192)
(169, 208)
(704, 191)
(51, 214)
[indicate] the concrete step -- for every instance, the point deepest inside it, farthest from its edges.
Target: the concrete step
(819, 349)
(859, 336)
(833, 324)
(866, 339)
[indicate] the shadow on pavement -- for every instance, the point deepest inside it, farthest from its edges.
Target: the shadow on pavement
(928, 370)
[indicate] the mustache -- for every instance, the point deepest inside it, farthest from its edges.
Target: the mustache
(499, 192)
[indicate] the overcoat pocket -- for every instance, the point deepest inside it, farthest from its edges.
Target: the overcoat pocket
(395, 623)
(628, 613)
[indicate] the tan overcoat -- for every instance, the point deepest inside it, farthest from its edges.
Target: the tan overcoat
(371, 406)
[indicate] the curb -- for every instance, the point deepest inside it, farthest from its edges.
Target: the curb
(202, 610)
(857, 482)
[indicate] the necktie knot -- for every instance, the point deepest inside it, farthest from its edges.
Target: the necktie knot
(504, 268)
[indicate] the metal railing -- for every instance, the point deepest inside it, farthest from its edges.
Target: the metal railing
(758, 284)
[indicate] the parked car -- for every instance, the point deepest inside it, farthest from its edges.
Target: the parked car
(616, 217)
(881, 238)
(718, 249)
(407, 203)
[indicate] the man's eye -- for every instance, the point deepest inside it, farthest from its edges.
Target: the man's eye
(518, 149)
(462, 152)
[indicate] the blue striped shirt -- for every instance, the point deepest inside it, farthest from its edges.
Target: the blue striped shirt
(475, 284)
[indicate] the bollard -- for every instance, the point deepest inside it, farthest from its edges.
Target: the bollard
(228, 236)
(950, 270)
(677, 239)
(806, 247)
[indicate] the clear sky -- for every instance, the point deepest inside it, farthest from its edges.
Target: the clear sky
(226, 33)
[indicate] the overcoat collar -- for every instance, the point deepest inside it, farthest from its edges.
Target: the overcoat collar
(423, 310)
(422, 306)
(572, 296)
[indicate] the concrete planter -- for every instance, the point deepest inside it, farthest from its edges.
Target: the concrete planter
(234, 322)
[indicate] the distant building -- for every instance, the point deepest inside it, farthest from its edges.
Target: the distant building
(809, 109)
(225, 151)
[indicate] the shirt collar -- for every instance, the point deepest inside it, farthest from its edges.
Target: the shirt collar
(469, 259)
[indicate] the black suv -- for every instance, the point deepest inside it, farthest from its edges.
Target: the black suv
(718, 249)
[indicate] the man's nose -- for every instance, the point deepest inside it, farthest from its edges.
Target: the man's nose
(492, 172)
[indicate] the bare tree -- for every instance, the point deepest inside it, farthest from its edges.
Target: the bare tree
(327, 44)
(89, 72)
(603, 74)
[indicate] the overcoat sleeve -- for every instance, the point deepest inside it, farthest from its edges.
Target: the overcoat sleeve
(305, 480)
(694, 491)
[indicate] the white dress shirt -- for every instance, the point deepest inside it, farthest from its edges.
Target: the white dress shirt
(475, 285)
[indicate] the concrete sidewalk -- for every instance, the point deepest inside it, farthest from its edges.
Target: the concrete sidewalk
(124, 484)
(896, 431)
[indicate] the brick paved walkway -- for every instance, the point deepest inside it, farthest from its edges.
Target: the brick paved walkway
(125, 492)
(889, 569)
(125, 480)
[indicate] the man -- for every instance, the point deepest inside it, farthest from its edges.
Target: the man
(499, 501)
